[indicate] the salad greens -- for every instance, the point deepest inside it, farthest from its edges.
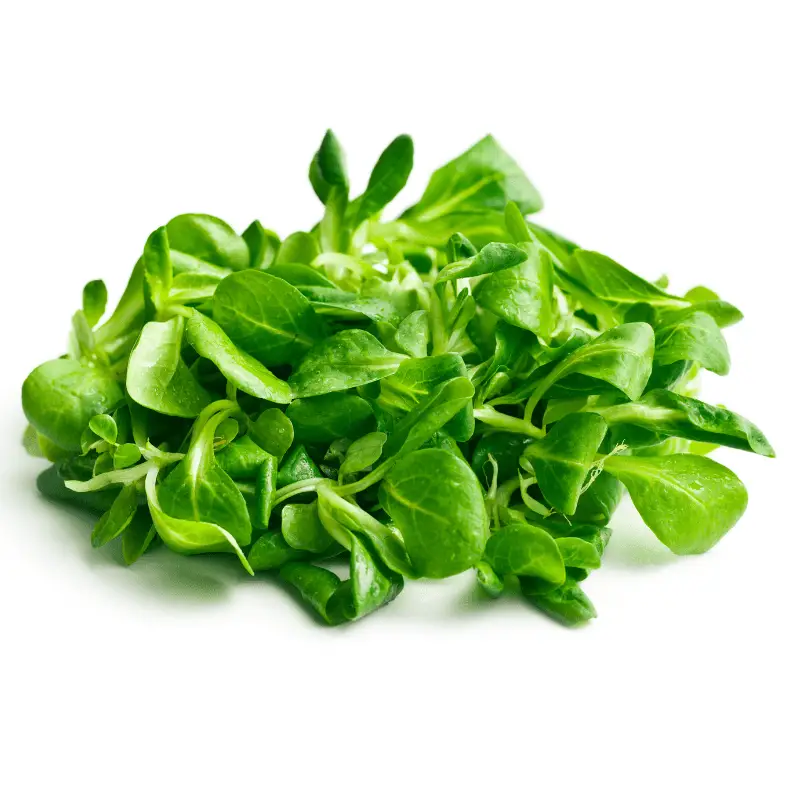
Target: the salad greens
(455, 389)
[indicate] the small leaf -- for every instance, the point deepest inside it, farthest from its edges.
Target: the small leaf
(525, 550)
(117, 518)
(95, 297)
(105, 427)
(493, 258)
(126, 455)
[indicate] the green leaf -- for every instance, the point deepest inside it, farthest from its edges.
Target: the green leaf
(567, 604)
(388, 177)
(273, 431)
(436, 501)
(617, 286)
(483, 179)
(363, 453)
(413, 334)
(691, 335)
(126, 455)
(459, 247)
(105, 427)
(671, 414)
(522, 296)
(266, 317)
(328, 169)
(262, 245)
(369, 587)
(157, 270)
(157, 376)
(504, 449)
(690, 502)
(325, 299)
(270, 551)
(138, 536)
(199, 490)
(343, 519)
(266, 486)
(241, 369)
(343, 361)
(599, 501)
(95, 297)
(522, 549)
(416, 379)
(117, 335)
(621, 357)
(493, 258)
(297, 248)
(301, 528)
(193, 280)
(209, 239)
(117, 518)
(190, 536)
(302, 276)
(242, 458)
(563, 459)
(60, 397)
(489, 580)
(321, 419)
(578, 553)
(298, 466)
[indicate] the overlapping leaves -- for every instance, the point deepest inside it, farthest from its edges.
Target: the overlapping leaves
(458, 388)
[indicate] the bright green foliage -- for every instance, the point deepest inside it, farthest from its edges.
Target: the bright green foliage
(444, 532)
(456, 389)
(561, 460)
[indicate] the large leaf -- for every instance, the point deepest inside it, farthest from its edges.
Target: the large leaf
(690, 502)
(671, 414)
(691, 335)
(483, 177)
(436, 501)
(60, 397)
(266, 317)
(563, 459)
(158, 378)
(345, 360)
(209, 239)
(240, 368)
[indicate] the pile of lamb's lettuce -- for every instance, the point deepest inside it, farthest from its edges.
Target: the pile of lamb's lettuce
(455, 389)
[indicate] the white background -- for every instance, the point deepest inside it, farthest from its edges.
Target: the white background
(664, 135)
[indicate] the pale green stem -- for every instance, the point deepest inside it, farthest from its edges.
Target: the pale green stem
(308, 485)
(506, 422)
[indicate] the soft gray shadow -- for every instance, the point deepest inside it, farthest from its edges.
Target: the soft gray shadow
(202, 578)
(633, 545)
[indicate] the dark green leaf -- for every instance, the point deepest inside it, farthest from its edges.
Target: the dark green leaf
(522, 549)
(95, 297)
(321, 419)
(563, 459)
(117, 518)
